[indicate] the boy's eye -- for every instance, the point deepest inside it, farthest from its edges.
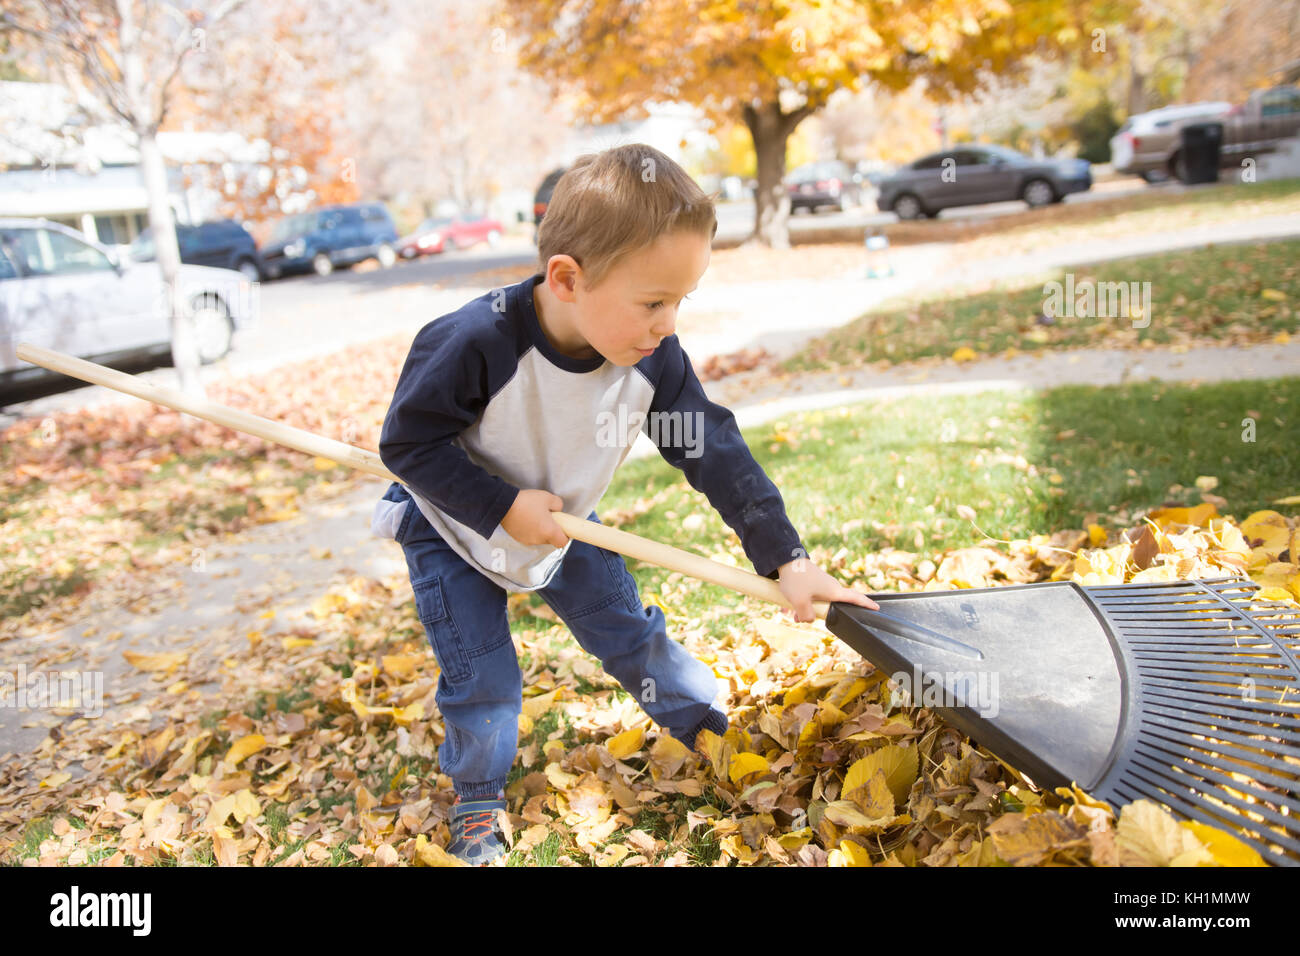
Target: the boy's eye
(655, 305)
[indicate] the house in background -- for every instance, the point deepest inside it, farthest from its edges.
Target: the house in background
(61, 161)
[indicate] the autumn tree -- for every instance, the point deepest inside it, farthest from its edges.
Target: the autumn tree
(126, 54)
(772, 65)
(281, 75)
(445, 112)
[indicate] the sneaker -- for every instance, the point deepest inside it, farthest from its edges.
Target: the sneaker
(475, 834)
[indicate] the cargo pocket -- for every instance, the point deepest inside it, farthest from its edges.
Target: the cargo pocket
(441, 629)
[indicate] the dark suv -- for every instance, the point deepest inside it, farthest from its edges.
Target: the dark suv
(223, 244)
(330, 237)
(543, 197)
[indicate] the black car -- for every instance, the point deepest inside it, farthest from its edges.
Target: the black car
(978, 173)
(330, 237)
(222, 244)
(828, 183)
(543, 197)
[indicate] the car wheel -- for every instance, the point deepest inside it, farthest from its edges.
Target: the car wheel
(908, 206)
(321, 263)
(493, 239)
(386, 256)
(1038, 192)
(1178, 167)
(248, 269)
(213, 329)
(1153, 176)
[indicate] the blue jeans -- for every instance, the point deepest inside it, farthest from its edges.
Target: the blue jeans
(480, 688)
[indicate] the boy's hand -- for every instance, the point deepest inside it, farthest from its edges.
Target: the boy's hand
(802, 582)
(529, 519)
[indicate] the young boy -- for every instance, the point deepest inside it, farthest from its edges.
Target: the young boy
(503, 414)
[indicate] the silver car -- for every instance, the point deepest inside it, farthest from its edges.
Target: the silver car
(976, 173)
(62, 291)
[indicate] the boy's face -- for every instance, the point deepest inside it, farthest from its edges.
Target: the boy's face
(635, 306)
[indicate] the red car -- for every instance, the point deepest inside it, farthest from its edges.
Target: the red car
(459, 232)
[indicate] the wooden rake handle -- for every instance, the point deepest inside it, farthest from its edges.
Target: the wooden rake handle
(362, 459)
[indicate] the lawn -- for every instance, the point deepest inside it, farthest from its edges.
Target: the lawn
(1236, 294)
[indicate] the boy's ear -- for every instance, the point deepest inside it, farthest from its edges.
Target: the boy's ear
(562, 275)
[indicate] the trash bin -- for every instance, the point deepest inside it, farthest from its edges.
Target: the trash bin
(1199, 162)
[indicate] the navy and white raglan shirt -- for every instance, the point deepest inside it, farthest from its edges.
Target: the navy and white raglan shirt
(486, 406)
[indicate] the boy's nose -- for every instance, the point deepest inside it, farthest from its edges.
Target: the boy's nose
(666, 324)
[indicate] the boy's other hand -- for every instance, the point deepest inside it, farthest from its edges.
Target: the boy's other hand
(529, 519)
(803, 582)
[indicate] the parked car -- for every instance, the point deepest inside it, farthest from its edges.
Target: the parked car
(977, 173)
(543, 197)
(450, 232)
(331, 237)
(62, 291)
(828, 183)
(1147, 142)
(223, 244)
(1258, 125)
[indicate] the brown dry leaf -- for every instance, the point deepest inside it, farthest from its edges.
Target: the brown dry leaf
(1028, 840)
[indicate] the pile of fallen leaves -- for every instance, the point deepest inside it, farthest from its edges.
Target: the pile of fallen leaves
(97, 494)
(319, 747)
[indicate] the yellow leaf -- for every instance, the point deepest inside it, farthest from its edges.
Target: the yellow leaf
(56, 779)
(246, 806)
(1275, 295)
(404, 716)
(847, 814)
(289, 643)
(625, 744)
(1276, 594)
(402, 666)
(964, 354)
(324, 464)
(1147, 835)
(1226, 849)
(430, 854)
(156, 662)
(244, 747)
(873, 797)
(534, 707)
(744, 764)
(1267, 530)
(1279, 574)
(900, 765)
(1096, 535)
(855, 854)
(1199, 515)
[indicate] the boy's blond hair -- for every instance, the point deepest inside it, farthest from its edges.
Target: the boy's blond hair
(613, 203)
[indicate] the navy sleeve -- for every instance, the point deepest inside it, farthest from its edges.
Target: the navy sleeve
(441, 391)
(711, 452)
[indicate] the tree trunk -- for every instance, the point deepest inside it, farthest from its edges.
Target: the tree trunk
(185, 353)
(185, 349)
(1137, 81)
(770, 129)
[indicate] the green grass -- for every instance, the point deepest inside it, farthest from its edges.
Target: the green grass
(1202, 294)
(893, 472)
